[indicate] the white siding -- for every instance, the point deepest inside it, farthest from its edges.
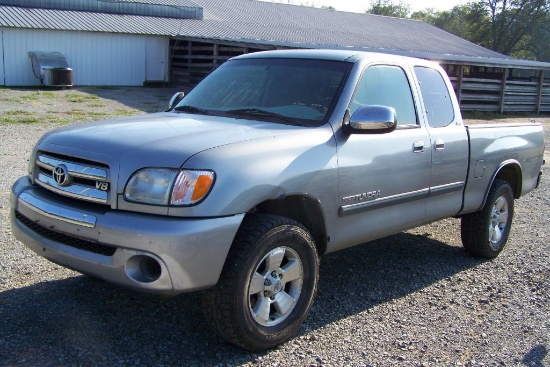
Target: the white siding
(2, 82)
(96, 58)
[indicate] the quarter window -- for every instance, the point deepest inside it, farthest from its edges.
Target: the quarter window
(386, 85)
(435, 94)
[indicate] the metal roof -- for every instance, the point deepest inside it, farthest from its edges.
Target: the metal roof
(257, 22)
(155, 8)
(17, 17)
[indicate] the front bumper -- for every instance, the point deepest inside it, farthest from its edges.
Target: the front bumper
(140, 251)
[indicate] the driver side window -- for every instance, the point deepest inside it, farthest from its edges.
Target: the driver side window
(386, 85)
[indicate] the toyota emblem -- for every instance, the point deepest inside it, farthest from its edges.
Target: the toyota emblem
(61, 175)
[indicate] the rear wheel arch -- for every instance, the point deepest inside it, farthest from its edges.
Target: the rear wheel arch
(510, 172)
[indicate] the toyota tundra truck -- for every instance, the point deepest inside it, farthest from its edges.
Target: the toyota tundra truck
(272, 161)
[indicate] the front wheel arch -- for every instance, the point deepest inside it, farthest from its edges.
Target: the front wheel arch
(303, 209)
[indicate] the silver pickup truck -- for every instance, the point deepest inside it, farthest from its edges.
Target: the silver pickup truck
(274, 160)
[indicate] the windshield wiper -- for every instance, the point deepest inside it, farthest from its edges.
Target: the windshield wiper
(192, 109)
(259, 112)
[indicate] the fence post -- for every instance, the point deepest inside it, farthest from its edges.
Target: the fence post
(503, 89)
(459, 84)
(216, 53)
(541, 84)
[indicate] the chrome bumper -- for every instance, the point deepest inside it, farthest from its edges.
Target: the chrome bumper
(140, 251)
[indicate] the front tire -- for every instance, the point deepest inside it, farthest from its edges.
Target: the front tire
(267, 285)
(485, 233)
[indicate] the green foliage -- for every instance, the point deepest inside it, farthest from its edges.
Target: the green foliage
(515, 24)
(535, 45)
(469, 21)
(389, 8)
(519, 28)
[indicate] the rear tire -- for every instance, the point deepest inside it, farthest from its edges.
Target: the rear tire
(267, 285)
(484, 233)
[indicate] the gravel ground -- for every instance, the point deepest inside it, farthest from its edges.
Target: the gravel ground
(412, 299)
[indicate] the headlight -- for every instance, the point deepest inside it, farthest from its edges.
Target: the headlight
(191, 187)
(164, 186)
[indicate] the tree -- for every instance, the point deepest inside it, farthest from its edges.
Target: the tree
(514, 21)
(469, 21)
(428, 15)
(535, 45)
(389, 8)
(519, 28)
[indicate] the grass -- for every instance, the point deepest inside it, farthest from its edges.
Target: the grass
(30, 97)
(67, 117)
(48, 94)
(57, 119)
(80, 115)
(16, 112)
(125, 112)
(80, 98)
(19, 117)
(30, 105)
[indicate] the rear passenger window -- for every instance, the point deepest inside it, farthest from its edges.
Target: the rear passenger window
(435, 94)
(386, 85)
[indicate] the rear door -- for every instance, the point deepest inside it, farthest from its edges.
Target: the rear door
(449, 144)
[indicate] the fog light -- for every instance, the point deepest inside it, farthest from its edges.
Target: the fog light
(143, 269)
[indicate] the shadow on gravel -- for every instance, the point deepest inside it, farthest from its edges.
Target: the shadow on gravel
(535, 357)
(83, 321)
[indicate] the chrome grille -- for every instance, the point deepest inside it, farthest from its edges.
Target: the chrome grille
(77, 179)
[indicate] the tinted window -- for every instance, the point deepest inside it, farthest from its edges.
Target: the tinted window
(299, 89)
(386, 86)
(435, 94)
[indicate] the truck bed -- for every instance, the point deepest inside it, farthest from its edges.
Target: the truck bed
(522, 142)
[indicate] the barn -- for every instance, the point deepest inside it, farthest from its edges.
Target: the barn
(137, 42)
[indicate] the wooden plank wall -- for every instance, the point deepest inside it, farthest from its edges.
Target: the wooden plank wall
(500, 90)
(478, 88)
(192, 60)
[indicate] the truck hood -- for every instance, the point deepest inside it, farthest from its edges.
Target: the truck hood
(160, 139)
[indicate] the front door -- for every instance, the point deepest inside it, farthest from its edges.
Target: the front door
(383, 179)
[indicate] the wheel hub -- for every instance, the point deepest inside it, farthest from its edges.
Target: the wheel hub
(275, 286)
(499, 220)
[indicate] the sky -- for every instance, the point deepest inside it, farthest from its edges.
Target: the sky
(359, 6)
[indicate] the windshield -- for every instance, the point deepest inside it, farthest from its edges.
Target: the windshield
(288, 91)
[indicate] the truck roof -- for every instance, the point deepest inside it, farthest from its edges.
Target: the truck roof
(321, 54)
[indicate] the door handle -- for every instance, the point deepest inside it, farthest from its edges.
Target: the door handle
(418, 146)
(439, 144)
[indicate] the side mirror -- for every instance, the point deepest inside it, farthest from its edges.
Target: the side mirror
(176, 98)
(371, 120)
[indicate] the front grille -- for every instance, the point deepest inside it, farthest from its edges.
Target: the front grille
(64, 239)
(76, 178)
